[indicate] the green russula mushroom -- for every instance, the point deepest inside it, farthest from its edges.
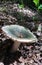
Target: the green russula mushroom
(19, 34)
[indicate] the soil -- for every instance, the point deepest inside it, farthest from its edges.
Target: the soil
(27, 54)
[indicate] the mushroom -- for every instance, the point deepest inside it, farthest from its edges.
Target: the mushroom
(19, 34)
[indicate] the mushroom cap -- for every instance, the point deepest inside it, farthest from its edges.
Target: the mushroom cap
(19, 33)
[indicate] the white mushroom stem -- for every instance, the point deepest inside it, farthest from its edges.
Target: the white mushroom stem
(15, 46)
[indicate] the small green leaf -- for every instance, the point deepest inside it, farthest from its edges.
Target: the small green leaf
(21, 6)
(3, 9)
(36, 2)
(40, 7)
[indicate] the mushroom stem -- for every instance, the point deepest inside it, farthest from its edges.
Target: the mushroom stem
(15, 46)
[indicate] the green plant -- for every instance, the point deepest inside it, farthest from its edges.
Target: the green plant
(37, 4)
(40, 7)
(2, 9)
(21, 5)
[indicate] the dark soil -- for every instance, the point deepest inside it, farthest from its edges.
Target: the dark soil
(32, 53)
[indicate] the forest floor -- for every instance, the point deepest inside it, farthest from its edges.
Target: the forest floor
(30, 54)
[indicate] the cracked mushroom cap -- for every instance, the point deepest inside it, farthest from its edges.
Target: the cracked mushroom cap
(19, 33)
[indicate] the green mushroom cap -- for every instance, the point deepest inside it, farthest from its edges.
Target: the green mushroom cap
(19, 33)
